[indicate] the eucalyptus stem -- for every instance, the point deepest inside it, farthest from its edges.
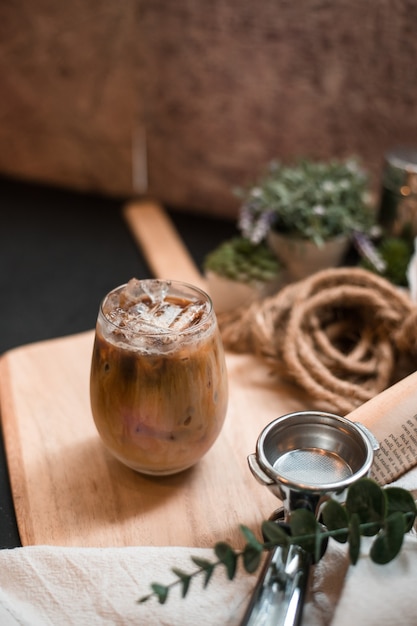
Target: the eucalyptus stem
(161, 591)
(369, 511)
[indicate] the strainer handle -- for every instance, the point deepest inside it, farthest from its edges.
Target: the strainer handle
(278, 597)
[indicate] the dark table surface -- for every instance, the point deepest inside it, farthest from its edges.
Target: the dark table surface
(61, 252)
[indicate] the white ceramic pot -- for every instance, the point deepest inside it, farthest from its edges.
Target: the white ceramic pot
(303, 257)
(228, 294)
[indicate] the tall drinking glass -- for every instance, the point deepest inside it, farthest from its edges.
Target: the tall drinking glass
(158, 384)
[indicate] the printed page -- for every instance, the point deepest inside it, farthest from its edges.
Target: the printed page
(392, 418)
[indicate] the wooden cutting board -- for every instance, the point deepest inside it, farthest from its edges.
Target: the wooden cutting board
(69, 491)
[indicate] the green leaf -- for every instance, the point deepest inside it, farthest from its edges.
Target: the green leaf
(184, 578)
(335, 518)
(145, 598)
(227, 556)
(203, 563)
(305, 529)
(354, 538)
(251, 558)
(274, 534)
(207, 567)
(161, 591)
(401, 500)
(367, 500)
(307, 533)
(250, 537)
(388, 542)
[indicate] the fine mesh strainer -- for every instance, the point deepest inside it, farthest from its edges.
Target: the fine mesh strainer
(304, 458)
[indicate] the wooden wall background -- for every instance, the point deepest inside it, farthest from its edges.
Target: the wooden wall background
(221, 87)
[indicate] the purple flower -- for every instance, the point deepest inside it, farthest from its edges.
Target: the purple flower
(253, 223)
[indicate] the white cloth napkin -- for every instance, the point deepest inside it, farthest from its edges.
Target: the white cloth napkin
(60, 586)
(382, 595)
(54, 586)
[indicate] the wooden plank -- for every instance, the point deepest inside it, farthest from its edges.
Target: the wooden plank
(160, 243)
(67, 489)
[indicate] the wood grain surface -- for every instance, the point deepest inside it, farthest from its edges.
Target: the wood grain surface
(69, 491)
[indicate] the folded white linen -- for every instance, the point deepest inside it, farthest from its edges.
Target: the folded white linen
(61, 586)
(54, 586)
(381, 595)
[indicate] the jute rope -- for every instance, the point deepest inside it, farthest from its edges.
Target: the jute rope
(342, 335)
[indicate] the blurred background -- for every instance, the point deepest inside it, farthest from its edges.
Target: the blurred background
(205, 93)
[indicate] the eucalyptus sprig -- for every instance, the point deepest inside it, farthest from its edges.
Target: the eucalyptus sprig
(386, 514)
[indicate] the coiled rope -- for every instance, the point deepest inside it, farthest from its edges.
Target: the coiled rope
(342, 335)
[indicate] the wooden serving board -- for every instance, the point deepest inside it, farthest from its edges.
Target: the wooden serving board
(69, 491)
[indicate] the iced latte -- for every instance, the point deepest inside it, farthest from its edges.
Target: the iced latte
(158, 383)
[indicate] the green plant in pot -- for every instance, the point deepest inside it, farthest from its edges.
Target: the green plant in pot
(239, 271)
(307, 212)
(396, 253)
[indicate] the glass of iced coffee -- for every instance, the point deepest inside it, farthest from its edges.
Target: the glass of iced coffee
(158, 384)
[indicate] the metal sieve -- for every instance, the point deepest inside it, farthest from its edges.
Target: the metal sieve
(314, 466)
(309, 456)
(304, 458)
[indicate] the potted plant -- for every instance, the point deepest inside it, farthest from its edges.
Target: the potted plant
(239, 271)
(395, 253)
(307, 212)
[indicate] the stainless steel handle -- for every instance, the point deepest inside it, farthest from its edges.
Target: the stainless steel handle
(258, 473)
(278, 598)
